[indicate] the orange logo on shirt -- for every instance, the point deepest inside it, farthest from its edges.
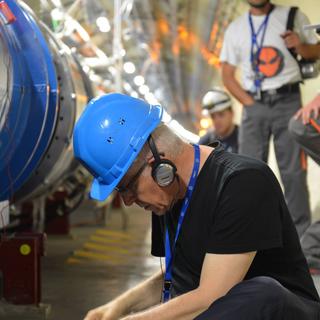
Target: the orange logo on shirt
(270, 61)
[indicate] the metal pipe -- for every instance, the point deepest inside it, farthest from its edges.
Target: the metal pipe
(117, 44)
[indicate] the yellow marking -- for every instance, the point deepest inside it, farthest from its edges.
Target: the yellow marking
(25, 249)
(112, 233)
(96, 256)
(100, 247)
(134, 248)
(73, 261)
(118, 242)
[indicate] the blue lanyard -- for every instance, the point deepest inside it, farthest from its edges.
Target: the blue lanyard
(254, 43)
(169, 252)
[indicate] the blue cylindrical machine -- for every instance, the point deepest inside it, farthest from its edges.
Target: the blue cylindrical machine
(42, 92)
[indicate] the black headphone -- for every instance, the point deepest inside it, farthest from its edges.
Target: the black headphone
(163, 170)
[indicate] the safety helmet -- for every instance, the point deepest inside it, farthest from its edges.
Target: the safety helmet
(216, 100)
(109, 135)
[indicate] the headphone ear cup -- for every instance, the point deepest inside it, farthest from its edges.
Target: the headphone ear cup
(163, 172)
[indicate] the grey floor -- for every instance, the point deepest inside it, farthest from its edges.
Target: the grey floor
(96, 263)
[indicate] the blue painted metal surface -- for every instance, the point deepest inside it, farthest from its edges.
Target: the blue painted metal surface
(28, 114)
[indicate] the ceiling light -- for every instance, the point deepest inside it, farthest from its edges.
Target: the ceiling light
(85, 68)
(151, 98)
(103, 24)
(205, 123)
(129, 67)
(143, 89)
(57, 14)
(138, 80)
(127, 87)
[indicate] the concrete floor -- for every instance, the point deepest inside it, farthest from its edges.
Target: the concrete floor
(96, 263)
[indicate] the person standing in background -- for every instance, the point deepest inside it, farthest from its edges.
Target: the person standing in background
(305, 128)
(218, 104)
(270, 91)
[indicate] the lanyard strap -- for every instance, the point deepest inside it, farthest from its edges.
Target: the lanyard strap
(254, 57)
(254, 35)
(169, 252)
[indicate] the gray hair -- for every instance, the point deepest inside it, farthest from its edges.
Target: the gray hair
(167, 143)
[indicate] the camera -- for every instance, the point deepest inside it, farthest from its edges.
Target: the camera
(310, 68)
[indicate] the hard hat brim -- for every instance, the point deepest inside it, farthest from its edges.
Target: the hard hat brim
(100, 191)
(220, 108)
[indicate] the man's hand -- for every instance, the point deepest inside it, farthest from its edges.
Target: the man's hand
(305, 50)
(232, 84)
(248, 101)
(141, 297)
(108, 311)
(291, 39)
(311, 109)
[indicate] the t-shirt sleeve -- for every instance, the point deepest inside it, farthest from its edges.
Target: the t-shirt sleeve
(157, 244)
(229, 52)
(248, 216)
(306, 36)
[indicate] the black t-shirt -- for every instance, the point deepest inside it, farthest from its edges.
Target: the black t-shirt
(237, 206)
(229, 143)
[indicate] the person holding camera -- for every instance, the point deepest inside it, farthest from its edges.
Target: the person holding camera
(266, 50)
(305, 128)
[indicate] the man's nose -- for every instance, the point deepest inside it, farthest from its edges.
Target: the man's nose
(128, 198)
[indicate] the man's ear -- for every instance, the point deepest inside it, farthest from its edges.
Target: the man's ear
(150, 159)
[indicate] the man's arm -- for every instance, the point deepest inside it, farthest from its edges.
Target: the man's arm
(141, 297)
(307, 51)
(232, 84)
(311, 109)
(220, 272)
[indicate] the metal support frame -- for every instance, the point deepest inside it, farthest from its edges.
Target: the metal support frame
(20, 267)
(117, 44)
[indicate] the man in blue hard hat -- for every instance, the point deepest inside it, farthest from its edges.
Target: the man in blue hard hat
(231, 248)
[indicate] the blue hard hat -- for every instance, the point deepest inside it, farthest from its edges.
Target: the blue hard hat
(109, 135)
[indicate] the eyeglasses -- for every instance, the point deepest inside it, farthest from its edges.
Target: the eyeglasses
(130, 187)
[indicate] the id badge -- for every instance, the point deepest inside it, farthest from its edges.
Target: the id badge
(257, 81)
(257, 94)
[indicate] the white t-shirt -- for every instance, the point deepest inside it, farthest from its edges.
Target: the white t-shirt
(278, 65)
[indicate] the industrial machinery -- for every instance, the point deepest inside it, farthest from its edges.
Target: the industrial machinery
(43, 90)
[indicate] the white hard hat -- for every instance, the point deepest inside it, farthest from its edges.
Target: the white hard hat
(216, 100)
